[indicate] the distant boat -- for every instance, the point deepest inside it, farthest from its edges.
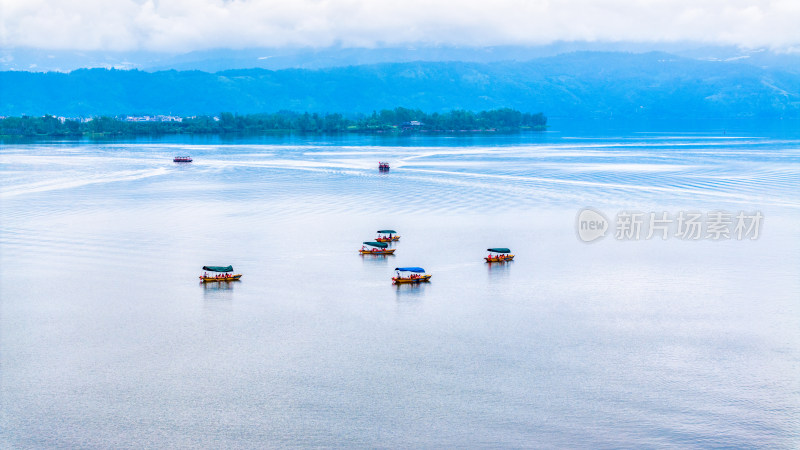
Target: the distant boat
(498, 254)
(182, 159)
(383, 166)
(415, 275)
(387, 236)
(378, 248)
(222, 274)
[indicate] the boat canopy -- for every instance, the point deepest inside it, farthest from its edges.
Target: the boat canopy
(218, 268)
(410, 269)
(499, 250)
(377, 244)
(387, 231)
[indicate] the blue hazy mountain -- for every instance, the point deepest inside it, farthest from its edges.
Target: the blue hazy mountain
(215, 60)
(578, 84)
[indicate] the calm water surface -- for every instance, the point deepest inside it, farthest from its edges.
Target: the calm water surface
(108, 340)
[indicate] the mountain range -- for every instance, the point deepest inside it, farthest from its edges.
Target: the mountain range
(585, 84)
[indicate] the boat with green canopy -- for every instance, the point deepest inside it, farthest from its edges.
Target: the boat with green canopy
(220, 273)
(376, 248)
(412, 275)
(387, 236)
(498, 254)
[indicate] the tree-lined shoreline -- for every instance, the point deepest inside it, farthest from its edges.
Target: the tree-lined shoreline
(398, 120)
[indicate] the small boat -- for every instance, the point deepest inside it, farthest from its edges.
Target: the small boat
(383, 166)
(415, 275)
(222, 274)
(378, 248)
(182, 159)
(498, 254)
(387, 236)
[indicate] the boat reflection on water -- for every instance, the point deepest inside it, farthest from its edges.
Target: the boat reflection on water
(409, 292)
(218, 291)
(376, 260)
(498, 272)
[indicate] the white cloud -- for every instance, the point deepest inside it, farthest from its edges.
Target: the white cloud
(182, 25)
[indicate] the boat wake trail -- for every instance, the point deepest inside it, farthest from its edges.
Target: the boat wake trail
(70, 183)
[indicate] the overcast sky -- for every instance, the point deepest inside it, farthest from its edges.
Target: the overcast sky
(185, 25)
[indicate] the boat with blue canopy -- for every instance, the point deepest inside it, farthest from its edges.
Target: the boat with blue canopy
(413, 275)
(376, 248)
(220, 273)
(498, 254)
(387, 236)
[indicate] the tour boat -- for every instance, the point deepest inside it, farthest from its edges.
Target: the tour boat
(387, 236)
(182, 159)
(498, 254)
(383, 166)
(222, 274)
(378, 248)
(415, 275)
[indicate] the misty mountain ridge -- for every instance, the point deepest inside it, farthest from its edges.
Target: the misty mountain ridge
(577, 85)
(215, 60)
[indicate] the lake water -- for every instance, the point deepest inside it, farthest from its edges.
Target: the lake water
(107, 338)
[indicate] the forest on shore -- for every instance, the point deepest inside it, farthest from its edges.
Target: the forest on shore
(398, 120)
